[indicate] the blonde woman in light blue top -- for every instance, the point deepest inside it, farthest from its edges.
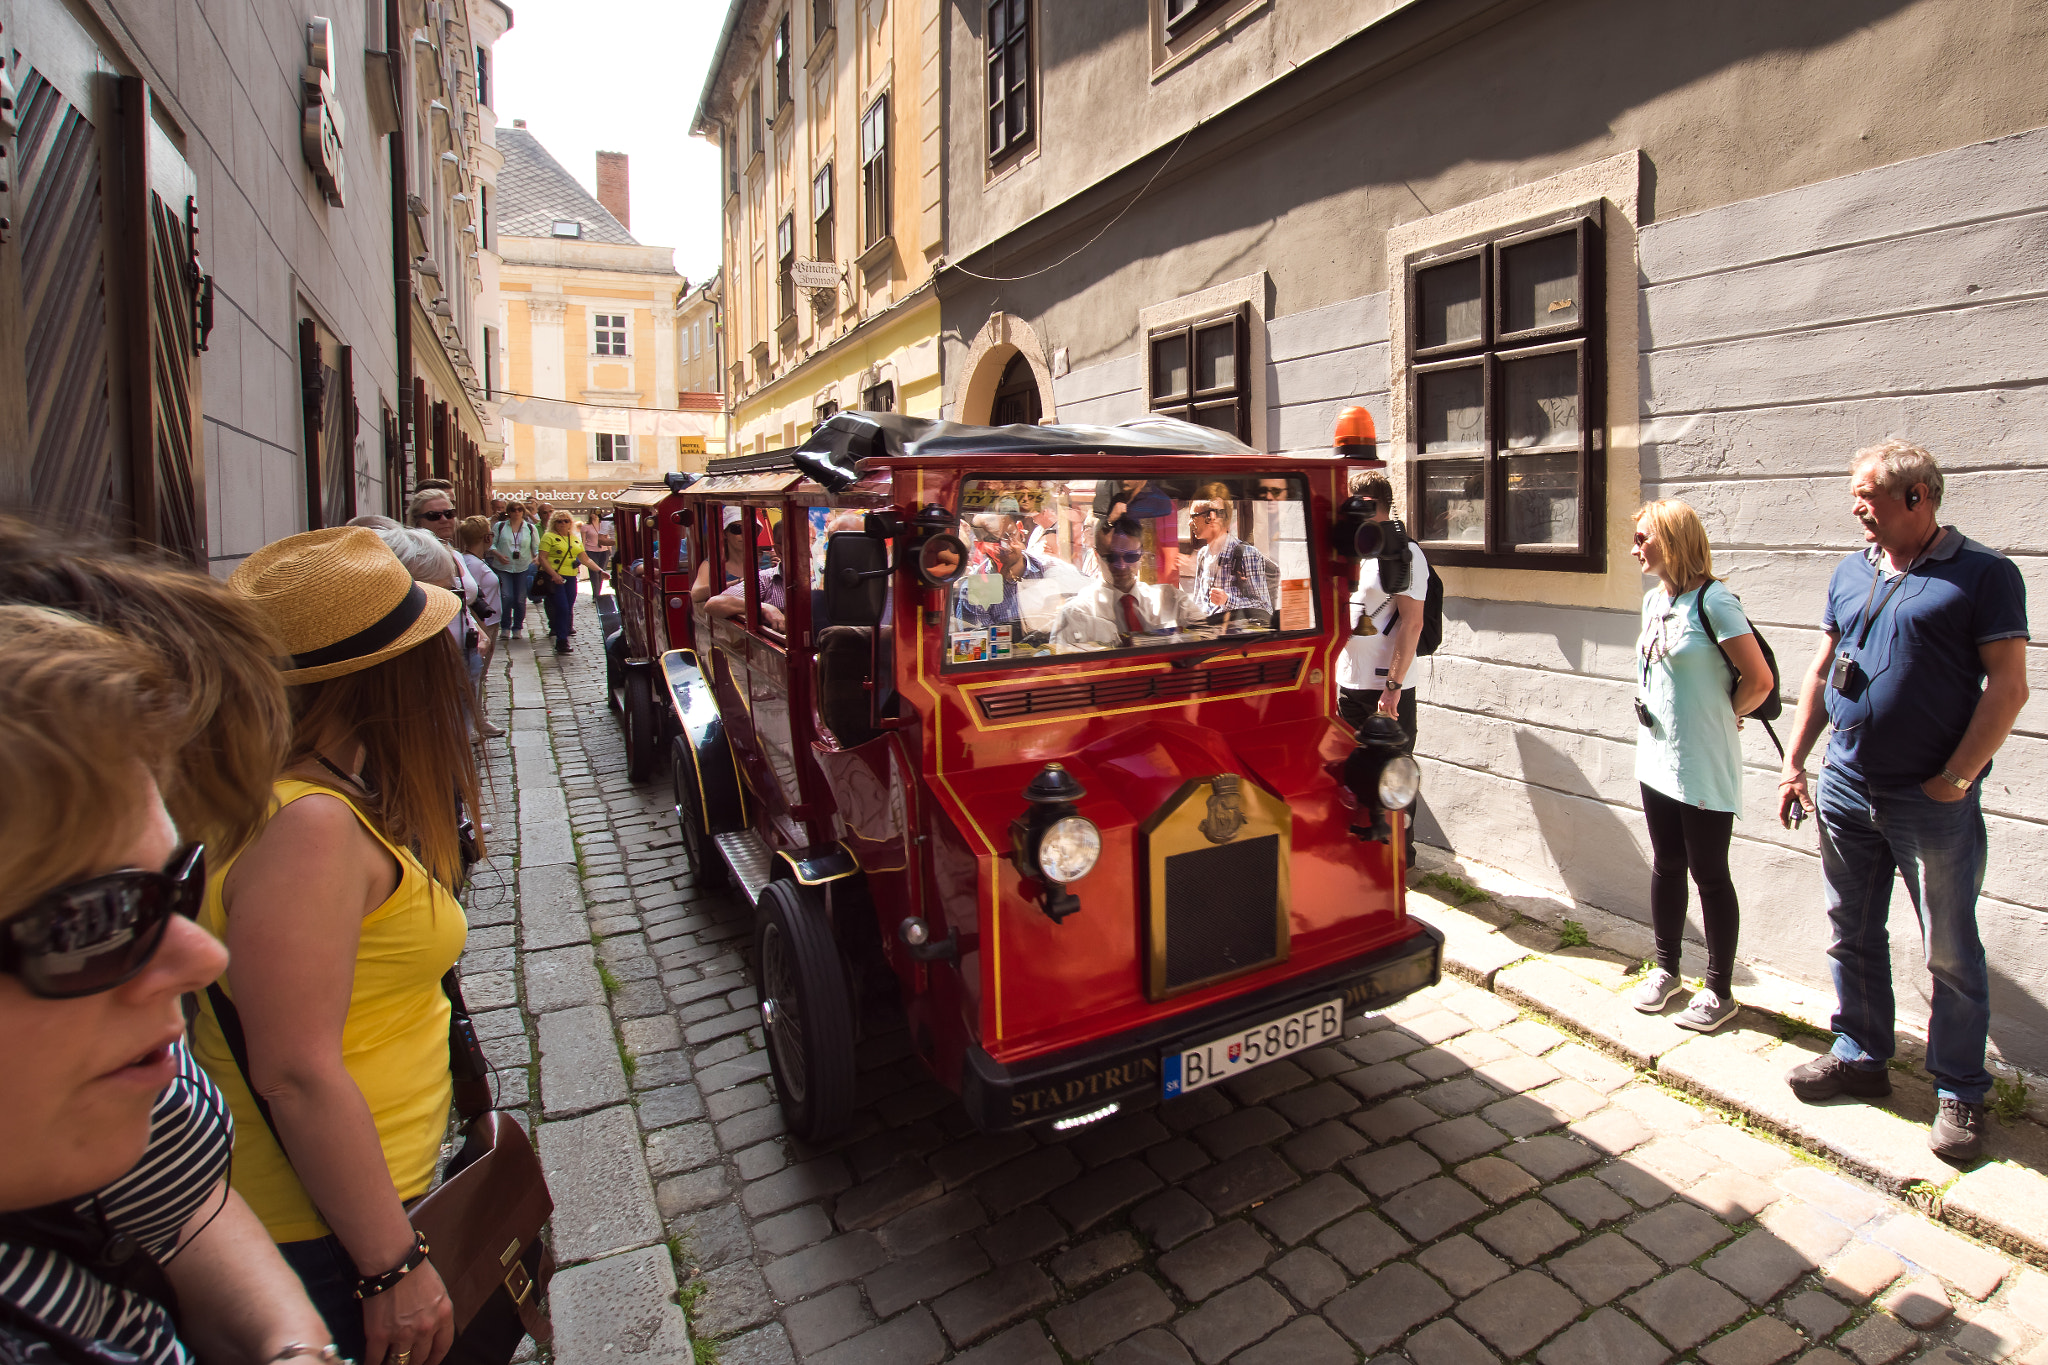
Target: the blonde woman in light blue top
(1688, 754)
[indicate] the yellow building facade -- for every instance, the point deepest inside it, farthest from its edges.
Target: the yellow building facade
(827, 113)
(591, 326)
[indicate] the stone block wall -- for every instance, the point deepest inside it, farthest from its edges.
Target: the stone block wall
(1778, 335)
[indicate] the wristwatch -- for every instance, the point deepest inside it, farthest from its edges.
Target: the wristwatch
(1961, 784)
(1393, 685)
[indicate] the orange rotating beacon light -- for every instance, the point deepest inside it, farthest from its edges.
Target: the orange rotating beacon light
(1356, 438)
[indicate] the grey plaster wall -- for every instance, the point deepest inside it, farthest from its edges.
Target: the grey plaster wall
(1780, 334)
(1299, 171)
(227, 74)
(1318, 362)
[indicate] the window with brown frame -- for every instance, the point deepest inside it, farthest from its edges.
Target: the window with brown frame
(1200, 372)
(821, 215)
(1504, 342)
(874, 171)
(782, 87)
(1008, 39)
(785, 254)
(821, 18)
(1179, 27)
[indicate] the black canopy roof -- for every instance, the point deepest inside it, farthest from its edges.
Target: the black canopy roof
(849, 436)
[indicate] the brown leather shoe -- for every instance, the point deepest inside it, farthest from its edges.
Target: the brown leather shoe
(1958, 1132)
(1827, 1076)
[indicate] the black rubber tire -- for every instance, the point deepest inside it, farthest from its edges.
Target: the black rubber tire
(641, 736)
(810, 1038)
(705, 860)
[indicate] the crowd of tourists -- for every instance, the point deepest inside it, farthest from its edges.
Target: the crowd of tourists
(230, 921)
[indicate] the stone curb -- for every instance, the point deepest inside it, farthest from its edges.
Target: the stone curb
(1741, 1069)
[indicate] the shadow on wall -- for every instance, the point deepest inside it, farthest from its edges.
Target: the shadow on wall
(2019, 1021)
(1591, 847)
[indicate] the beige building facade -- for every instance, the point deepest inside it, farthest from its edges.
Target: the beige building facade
(592, 327)
(828, 114)
(1669, 252)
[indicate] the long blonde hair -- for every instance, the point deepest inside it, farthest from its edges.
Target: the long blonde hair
(1688, 554)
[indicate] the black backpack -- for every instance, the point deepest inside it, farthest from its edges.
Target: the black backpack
(1432, 615)
(1773, 705)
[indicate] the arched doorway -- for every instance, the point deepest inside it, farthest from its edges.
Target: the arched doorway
(1016, 399)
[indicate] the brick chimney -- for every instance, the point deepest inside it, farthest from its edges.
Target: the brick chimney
(614, 187)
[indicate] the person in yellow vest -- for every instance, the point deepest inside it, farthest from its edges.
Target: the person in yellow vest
(340, 922)
(560, 552)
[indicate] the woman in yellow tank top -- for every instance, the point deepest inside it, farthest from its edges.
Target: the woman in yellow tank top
(340, 924)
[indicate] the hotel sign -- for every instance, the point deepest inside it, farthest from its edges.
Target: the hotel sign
(322, 129)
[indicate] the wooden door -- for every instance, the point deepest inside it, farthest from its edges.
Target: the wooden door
(56, 248)
(167, 469)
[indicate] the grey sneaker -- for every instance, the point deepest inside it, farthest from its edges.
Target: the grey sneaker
(1706, 1013)
(1958, 1133)
(1656, 991)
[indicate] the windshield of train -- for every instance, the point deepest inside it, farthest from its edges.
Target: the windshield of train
(1071, 566)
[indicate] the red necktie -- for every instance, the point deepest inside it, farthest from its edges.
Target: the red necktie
(1132, 624)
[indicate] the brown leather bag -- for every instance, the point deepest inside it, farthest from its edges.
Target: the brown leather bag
(483, 1221)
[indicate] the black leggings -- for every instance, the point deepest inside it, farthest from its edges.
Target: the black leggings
(1685, 838)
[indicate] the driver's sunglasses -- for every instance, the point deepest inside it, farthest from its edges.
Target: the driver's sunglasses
(1116, 557)
(445, 514)
(94, 935)
(1204, 512)
(1271, 494)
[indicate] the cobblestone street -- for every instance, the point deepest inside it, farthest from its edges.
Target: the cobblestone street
(1457, 1182)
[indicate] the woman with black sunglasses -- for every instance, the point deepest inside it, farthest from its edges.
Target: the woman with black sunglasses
(113, 1205)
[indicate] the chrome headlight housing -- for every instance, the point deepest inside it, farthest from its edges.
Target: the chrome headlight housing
(1400, 782)
(1069, 848)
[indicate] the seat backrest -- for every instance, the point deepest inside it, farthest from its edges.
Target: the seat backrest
(844, 668)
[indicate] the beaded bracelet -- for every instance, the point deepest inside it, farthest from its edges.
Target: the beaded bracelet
(369, 1286)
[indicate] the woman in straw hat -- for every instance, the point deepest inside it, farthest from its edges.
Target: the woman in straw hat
(110, 1129)
(341, 924)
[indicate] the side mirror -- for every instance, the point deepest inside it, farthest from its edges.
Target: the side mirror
(939, 559)
(856, 579)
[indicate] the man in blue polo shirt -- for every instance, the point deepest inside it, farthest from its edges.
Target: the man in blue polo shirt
(1922, 674)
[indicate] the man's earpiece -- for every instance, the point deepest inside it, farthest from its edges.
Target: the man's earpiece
(1912, 498)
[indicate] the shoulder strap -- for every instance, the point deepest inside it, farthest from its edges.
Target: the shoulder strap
(1734, 673)
(466, 1061)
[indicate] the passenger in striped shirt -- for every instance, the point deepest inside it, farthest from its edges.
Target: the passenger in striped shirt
(1232, 578)
(113, 1197)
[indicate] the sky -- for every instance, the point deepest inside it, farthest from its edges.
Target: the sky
(623, 76)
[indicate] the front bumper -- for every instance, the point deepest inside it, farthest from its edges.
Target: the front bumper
(1126, 1067)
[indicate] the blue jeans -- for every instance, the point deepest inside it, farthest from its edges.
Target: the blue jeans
(512, 590)
(561, 604)
(1938, 849)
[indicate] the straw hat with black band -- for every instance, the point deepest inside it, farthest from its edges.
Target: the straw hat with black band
(340, 601)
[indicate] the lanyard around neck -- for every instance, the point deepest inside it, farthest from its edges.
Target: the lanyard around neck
(1867, 617)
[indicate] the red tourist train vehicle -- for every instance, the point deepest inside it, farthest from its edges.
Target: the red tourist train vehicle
(1036, 729)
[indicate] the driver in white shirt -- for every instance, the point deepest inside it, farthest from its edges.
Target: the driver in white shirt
(1120, 610)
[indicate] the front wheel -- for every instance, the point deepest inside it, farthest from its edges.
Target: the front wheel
(705, 859)
(640, 733)
(805, 1009)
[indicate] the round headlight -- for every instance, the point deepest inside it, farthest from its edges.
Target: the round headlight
(1069, 848)
(1400, 782)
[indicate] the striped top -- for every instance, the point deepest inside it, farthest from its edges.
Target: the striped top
(190, 1136)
